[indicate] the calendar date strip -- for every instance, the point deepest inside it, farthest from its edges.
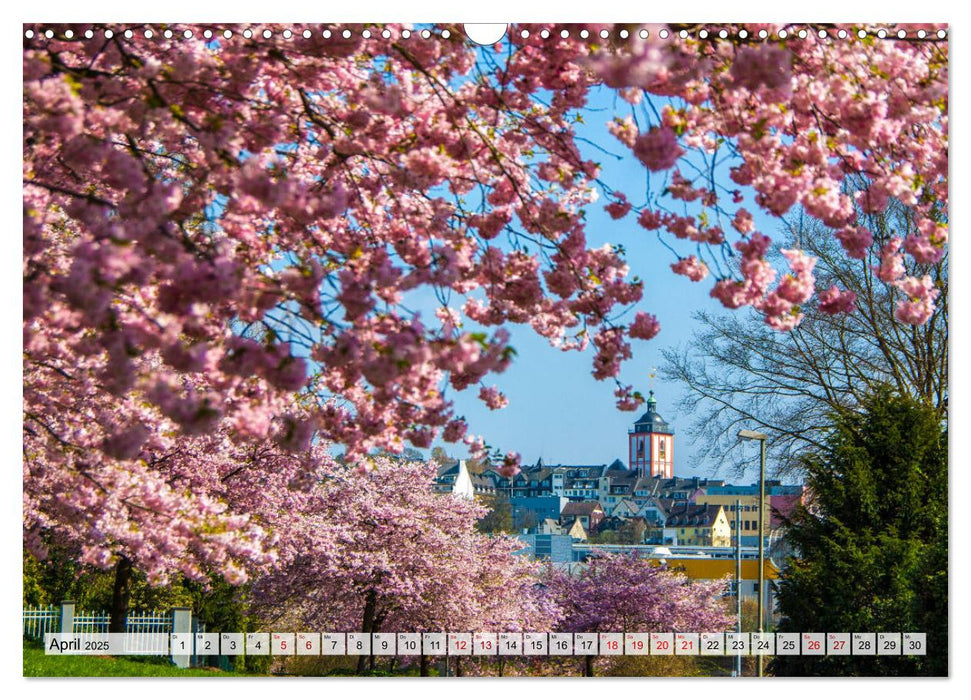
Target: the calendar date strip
(484, 644)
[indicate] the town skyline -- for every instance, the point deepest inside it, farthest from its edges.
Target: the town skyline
(562, 444)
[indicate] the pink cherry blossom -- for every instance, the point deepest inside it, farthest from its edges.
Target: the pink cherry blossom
(918, 304)
(891, 266)
(626, 400)
(743, 222)
(620, 593)
(493, 398)
(380, 551)
(927, 244)
(833, 301)
(731, 293)
(798, 286)
(856, 241)
(691, 267)
(618, 209)
(761, 66)
(658, 149)
(510, 464)
(645, 326)
(612, 348)
(624, 130)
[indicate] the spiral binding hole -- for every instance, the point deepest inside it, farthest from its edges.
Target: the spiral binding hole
(523, 33)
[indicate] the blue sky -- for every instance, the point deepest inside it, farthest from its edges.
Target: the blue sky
(556, 409)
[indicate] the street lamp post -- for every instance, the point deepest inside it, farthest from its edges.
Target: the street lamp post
(738, 580)
(761, 437)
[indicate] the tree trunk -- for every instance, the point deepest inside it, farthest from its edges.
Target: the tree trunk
(120, 595)
(423, 665)
(588, 666)
(367, 626)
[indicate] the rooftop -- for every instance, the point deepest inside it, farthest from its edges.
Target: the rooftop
(651, 421)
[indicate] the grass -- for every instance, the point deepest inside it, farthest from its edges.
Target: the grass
(37, 664)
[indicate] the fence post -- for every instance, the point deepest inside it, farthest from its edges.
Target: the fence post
(181, 622)
(66, 618)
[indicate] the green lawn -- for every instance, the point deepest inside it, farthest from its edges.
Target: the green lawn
(37, 664)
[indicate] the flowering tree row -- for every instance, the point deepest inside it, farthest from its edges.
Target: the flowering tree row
(379, 551)
(224, 241)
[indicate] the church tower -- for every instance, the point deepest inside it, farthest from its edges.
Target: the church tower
(651, 444)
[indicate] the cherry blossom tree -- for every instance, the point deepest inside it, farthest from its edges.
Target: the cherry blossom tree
(380, 551)
(196, 507)
(625, 593)
(230, 234)
(804, 120)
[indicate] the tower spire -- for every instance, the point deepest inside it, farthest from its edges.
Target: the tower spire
(651, 441)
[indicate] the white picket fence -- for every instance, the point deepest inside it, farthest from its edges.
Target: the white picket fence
(157, 624)
(151, 628)
(148, 631)
(37, 621)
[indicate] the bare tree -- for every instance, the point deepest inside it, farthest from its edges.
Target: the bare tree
(741, 373)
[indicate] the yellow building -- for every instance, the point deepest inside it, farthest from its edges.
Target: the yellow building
(724, 570)
(747, 498)
(698, 526)
(702, 569)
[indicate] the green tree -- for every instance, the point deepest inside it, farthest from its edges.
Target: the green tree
(632, 531)
(499, 517)
(440, 456)
(220, 606)
(62, 577)
(605, 537)
(871, 545)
